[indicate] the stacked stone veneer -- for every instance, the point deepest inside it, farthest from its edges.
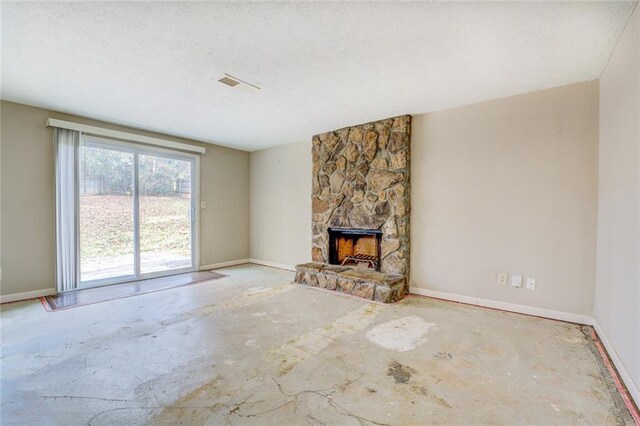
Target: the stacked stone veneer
(365, 283)
(361, 180)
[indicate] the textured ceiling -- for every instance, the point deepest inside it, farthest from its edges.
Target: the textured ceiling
(321, 66)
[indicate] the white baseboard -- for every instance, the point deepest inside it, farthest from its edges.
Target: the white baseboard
(273, 264)
(243, 261)
(224, 264)
(511, 307)
(7, 298)
(624, 374)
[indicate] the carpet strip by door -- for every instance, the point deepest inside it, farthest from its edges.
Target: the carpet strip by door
(89, 296)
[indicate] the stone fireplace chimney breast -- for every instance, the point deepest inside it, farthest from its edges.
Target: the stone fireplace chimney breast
(361, 181)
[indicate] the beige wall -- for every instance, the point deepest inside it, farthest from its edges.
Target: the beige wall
(508, 185)
(28, 199)
(281, 204)
(617, 306)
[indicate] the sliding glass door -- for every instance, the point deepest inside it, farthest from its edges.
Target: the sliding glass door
(107, 237)
(137, 212)
(166, 213)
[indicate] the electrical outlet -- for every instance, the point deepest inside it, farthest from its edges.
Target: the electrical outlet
(531, 284)
(516, 281)
(502, 278)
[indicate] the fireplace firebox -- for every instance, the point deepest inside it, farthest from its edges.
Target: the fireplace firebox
(359, 247)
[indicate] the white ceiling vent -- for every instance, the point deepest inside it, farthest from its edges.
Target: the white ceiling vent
(232, 81)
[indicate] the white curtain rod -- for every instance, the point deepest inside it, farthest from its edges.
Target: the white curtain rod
(53, 122)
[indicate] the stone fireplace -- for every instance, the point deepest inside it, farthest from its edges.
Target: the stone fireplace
(360, 210)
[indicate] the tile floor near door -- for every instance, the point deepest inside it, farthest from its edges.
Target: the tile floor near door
(254, 349)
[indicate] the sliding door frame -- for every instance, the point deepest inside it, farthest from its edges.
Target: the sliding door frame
(136, 150)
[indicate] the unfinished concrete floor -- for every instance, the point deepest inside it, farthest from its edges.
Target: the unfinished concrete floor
(254, 349)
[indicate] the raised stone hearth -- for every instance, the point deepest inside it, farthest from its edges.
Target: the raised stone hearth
(366, 283)
(361, 181)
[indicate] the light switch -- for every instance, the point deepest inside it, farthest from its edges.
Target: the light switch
(516, 281)
(203, 204)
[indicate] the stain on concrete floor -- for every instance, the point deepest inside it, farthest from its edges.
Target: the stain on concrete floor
(400, 373)
(401, 334)
(185, 359)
